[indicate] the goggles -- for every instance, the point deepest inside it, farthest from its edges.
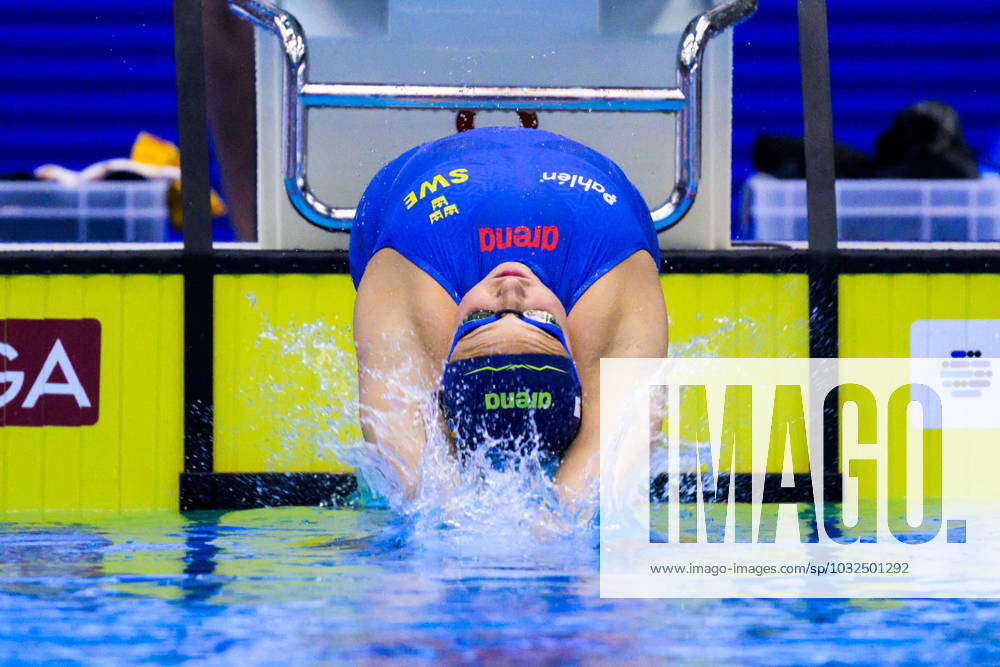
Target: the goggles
(544, 320)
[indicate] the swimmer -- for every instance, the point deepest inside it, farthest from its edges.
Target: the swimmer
(494, 269)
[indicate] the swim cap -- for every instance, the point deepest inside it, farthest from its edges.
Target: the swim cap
(516, 403)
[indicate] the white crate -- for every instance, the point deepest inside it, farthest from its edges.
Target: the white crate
(878, 210)
(102, 211)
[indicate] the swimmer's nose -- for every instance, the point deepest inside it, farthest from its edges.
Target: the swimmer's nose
(510, 293)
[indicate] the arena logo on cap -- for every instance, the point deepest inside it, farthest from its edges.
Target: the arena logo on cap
(49, 372)
(520, 399)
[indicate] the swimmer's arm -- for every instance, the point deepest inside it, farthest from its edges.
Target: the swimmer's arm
(621, 315)
(398, 360)
(391, 420)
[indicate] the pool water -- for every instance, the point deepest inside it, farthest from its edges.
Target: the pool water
(480, 565)
(305, 585)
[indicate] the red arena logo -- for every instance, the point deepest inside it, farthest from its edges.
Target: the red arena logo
(501, 238)
(49, 372)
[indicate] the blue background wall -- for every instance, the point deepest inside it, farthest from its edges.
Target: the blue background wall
(884, 55)
(79, 79)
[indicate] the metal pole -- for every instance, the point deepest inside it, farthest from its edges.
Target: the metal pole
(817, 113)
(821, 205)
(198, 268)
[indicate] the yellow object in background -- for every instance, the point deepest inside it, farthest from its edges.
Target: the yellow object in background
(131, 458)
(152, 150)
(285, 372)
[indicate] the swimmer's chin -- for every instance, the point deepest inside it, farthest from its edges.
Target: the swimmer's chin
(511, 273)
(511, 269)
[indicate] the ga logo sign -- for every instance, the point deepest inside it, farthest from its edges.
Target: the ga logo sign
(49, 372)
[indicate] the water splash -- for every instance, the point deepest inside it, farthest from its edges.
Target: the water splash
(469, 507)
(472, 506)
(708, 345)
(756, 339)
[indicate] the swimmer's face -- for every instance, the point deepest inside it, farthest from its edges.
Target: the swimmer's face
(510, 286)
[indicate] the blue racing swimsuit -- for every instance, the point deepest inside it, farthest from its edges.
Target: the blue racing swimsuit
(459, 206)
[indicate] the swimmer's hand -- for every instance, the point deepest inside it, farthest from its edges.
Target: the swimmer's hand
(576, 486)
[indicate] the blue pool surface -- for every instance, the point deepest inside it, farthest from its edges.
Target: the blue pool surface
(314, 585)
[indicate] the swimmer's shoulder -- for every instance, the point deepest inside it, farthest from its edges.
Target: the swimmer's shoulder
(406, 302)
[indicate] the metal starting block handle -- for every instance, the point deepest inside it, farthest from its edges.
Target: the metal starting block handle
(300, 95)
